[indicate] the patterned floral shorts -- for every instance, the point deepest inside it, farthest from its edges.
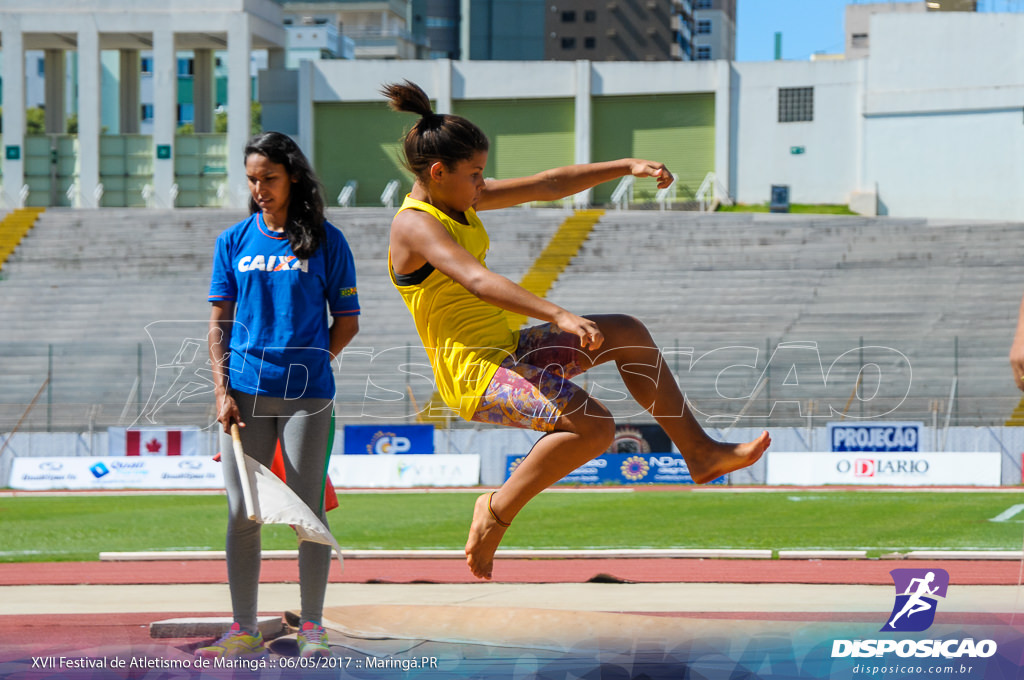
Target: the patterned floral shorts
(533, 388)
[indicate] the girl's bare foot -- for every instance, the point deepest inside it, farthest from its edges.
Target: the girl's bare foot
(719, 459)
(485, 533)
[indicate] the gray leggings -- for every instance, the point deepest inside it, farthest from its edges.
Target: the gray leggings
(303, 427)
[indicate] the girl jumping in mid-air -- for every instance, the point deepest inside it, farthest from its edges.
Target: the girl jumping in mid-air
(492, 374)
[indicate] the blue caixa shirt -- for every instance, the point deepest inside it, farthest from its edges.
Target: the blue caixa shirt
(280, 337)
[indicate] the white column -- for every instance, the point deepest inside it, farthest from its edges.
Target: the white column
(443, 85)
(276, 59)
(203, 94)
(465, 35)
(305, 107)
(583, 106)
(89, 71)
(165, 115)
(723, 130)
(14, 110)
(239, 104)
(129, 66)
(54, 95)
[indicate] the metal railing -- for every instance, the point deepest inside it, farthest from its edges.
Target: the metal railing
(347, 195)
(768, 383)
(712, 192)
(387, 197)
(623, 194)
(668, 196)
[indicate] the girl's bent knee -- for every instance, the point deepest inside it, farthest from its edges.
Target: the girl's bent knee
(599, 430)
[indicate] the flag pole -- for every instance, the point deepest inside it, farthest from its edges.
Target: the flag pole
(243, 471)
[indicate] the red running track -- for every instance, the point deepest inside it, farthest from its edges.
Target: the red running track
(21, 633)
(656, 570)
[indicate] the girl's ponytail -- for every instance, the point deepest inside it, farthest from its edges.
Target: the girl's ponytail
(435, 137)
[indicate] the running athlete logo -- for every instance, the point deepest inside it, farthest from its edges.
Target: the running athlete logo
(914, 609)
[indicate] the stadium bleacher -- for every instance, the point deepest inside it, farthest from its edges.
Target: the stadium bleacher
(111, 304)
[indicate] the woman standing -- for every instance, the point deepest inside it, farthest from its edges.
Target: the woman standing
(277, 276)
(492, 374)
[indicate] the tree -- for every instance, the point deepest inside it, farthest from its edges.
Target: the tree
(220, 122)
(35, 121)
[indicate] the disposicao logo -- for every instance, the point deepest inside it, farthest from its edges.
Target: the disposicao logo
(912, 612)
(99, 470)
(915, 606)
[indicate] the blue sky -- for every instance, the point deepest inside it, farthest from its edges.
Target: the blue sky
(807, 26)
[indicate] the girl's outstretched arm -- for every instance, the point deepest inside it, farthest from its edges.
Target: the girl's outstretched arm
(419, 238)
(557, 183)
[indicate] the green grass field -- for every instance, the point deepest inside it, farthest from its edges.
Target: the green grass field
(79, 527)
(794, 208)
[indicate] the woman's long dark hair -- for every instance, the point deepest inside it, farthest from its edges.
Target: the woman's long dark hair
(436, 136)
(305, 226)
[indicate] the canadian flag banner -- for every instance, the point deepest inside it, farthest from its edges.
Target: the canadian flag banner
(153, 441)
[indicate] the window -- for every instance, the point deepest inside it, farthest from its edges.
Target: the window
(590, 16)
(702, 4)
(703, 53)
(568, 17)
(590, 43)
(568, 43)
(186, 113)
(41, 68)
(704, 26)
(796, 104)
(147, 64)
(147, 112)
(859, 40)
(186, 67)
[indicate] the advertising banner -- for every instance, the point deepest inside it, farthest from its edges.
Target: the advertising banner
(897, 469)
(622, 468)
(386, 471)
(153, 441)
(115, 472)
(875, 437)
(389, 439)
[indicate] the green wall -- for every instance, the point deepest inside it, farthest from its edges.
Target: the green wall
(526, 135)
(678, 130)
(360, 141)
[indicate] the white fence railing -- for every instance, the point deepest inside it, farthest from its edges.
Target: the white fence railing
(347, 195)
(623, 194)
(387, 197)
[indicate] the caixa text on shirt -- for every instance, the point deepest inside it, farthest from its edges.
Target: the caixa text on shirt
(273, 263)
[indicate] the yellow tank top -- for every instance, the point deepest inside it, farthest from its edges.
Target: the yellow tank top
(466, 338)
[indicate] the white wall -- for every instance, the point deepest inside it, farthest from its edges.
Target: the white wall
(944, 135)
(932, 118)
(828, 169)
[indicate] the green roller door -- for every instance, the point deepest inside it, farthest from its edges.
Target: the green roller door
(360, 141)
(526, 135)
(678, 130)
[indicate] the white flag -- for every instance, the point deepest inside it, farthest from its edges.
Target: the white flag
(274, 503)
